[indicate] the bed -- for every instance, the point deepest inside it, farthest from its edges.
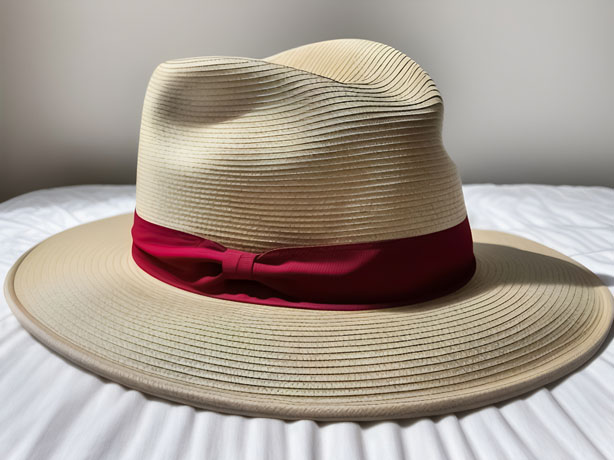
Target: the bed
(52, 409)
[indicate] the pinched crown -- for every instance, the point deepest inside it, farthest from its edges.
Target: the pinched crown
(330, 143)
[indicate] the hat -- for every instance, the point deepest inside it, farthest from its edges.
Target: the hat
(300, 249)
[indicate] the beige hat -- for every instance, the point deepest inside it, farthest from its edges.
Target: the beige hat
(302, 250)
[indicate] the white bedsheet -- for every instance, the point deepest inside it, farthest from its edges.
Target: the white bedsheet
(52, 409)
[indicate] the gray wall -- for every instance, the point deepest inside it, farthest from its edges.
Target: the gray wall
(527, 85)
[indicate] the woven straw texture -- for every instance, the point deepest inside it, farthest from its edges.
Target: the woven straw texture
(336, 142)
(330, 143)
(528, 316)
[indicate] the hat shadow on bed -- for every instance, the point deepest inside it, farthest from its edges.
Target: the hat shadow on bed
(543, 270)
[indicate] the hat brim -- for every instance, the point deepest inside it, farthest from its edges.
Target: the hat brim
(529, 316)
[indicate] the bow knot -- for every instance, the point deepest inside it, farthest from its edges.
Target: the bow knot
(238, 265)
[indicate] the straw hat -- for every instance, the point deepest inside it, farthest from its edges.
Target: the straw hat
(302, 250)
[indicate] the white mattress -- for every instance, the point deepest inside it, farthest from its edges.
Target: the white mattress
(52, 409)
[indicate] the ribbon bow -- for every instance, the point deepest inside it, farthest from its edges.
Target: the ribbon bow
(335, 277)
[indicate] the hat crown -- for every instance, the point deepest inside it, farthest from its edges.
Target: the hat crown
(331, 143)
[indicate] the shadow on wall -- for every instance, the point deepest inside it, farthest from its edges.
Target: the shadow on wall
(527, 96)
(68, 167)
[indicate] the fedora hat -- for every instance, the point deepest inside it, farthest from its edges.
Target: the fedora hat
(300, 248)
